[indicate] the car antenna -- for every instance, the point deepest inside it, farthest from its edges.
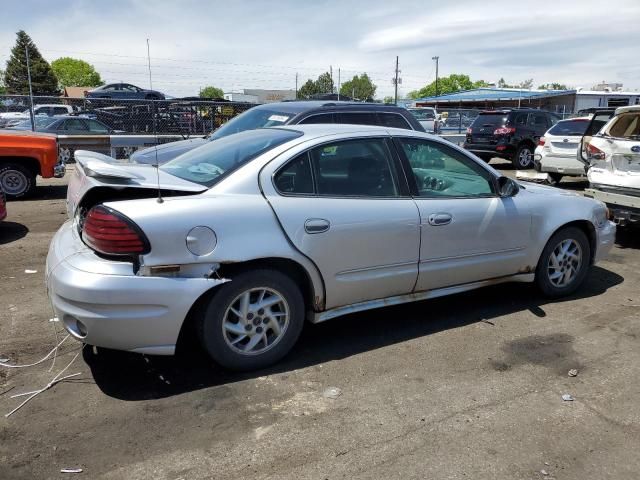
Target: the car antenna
(155, 130)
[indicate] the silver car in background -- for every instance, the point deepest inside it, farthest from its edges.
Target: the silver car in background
(247, 237)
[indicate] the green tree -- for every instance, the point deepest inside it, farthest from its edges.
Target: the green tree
(503, 84)
(388, 99)
(453, 83)
(528, 84)
(324, 84)
(359, 87)
(43, 80)
(553, 86)
(2, 89)
(211, 92)
(72, 72)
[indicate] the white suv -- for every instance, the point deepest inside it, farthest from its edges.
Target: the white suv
(613, 158)
(556, 151)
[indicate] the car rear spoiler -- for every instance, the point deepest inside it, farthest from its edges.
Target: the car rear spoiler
(98, 165)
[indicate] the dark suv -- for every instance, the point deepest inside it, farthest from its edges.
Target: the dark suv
(289, 113)
(510, 134)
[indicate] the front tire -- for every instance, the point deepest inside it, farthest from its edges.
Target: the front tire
(564, 263)
(16, 181)
(252, 321)
(523, 158)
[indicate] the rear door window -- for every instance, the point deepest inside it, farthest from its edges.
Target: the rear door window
(296, 177)
(318, 118)
(357, 118)
(626, 125)
(393, 120)
(360, 168)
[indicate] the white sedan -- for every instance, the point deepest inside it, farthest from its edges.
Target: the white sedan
(248, 236)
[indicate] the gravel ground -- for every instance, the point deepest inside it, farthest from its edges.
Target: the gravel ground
(468, 386)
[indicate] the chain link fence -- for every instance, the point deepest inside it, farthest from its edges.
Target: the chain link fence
(185, 117)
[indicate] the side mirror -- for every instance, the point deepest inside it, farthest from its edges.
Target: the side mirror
(507, 187)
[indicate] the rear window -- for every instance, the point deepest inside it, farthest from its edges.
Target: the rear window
(569, 128)
(626, 125)
(208, 164)
(423, 113)
(490, 120)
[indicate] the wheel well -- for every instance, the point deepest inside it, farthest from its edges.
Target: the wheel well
(29, 163)
(229, 270)
(589, 230)
(527, 142)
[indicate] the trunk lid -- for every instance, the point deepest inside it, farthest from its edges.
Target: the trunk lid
(99, 178)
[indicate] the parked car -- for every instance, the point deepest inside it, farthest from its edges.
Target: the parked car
(3, 205)
(612, 156)
(511, 134)
(259, 230)
(428, 118)
(9, 119)
(25, 155)
(556, 151)
(288, 113)
(124, 91)
(68, 125)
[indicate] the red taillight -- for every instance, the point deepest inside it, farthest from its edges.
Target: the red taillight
(541, 141)
(504, 131)
(111, 233)
(595, 153)
(469, 130)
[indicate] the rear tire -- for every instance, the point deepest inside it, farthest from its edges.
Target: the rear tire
(240, 334)
(564, 263)
(16, 181)
(523, 159)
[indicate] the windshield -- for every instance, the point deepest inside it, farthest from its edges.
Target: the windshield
(250, 120)
(423, 113)
(570, 127)
(207, 164)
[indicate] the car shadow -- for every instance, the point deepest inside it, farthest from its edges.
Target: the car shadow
(45, 192)
(134, 377)
(11, 231)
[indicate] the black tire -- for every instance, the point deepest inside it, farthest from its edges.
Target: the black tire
(523, 159)
(543, 269)
(65, 155)
(210, 318)
(16, 180)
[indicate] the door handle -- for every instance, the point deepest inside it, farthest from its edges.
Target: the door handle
(437, 219)
(316, 225)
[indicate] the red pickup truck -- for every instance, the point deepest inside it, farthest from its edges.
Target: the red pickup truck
(24, 156)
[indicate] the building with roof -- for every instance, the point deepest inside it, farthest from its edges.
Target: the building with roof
(559, 101)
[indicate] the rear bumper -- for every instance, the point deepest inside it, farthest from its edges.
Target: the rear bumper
(564, 165)
(624, 208)
(117, 309)
(500, 150)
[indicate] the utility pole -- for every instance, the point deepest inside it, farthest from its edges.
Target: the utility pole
(395, 81)
(296, 85)
(331, 75)
(436, 58)
(338, 83)
(149, 64)
(33, 121)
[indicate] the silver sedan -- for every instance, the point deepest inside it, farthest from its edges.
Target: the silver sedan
(248, 236)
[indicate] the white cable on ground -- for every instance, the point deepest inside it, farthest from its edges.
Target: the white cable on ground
(2, 364)
(55, 380)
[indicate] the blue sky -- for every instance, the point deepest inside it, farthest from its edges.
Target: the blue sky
(257, 44)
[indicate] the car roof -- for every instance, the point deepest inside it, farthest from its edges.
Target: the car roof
(632, 108)
(307, 105)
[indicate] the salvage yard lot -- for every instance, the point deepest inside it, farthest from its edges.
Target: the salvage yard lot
(468, 386)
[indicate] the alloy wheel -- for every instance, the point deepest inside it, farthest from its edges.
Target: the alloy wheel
(564, 263)
(64, 154)
(524, 157)
(255, 321)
